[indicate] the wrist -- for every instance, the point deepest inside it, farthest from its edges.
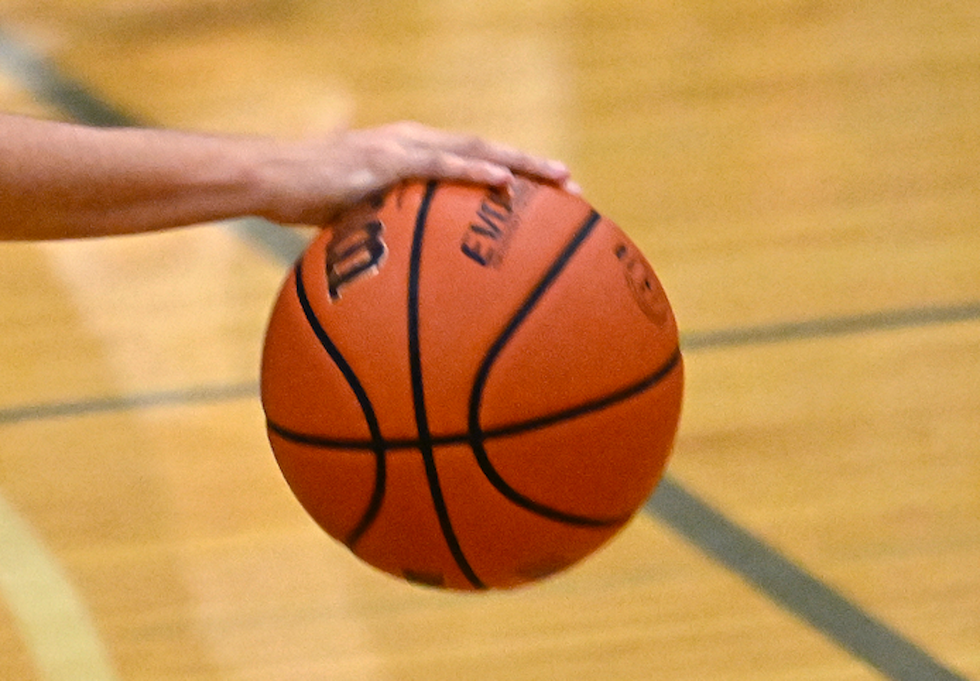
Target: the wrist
(269, 171)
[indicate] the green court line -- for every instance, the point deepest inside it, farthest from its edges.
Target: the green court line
(39, 77)
(792, 587)
(823, 327)
(148, 400)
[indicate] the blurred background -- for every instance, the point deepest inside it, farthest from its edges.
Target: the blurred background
(801, 173)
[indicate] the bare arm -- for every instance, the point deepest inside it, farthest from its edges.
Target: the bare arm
(66, 181)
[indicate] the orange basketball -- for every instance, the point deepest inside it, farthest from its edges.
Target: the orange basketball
(471, 390)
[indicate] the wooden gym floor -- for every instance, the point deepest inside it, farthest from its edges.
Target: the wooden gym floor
(802, 173)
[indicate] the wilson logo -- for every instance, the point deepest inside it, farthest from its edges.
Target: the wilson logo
(355, 254)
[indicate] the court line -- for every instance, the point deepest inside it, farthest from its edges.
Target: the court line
(698, 341)
(43, 80)
(793, 588)
(164, 398)
(283, 245)
(720, 538)
(57, 628)
(53, 620)
(47, 84)
(822, 327)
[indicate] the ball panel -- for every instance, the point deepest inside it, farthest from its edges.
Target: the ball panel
(587, 337)
(368, 322)
(302, 387)
(465, 302)
(603, 464)
(406, 538)
(334, 486)
(505, 544)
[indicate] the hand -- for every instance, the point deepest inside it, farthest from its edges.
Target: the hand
(312, 182)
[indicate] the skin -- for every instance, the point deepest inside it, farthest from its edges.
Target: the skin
(65, 181)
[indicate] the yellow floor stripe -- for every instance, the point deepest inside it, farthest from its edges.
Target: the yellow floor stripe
(53, 621)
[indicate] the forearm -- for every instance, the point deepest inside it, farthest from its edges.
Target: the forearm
(62, 181)
(65, 181)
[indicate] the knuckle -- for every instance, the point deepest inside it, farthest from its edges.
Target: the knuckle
(409, 129)
(474, 146)
(438, 165)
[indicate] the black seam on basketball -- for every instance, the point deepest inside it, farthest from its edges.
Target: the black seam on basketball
(377, 444)
(539, 423)
(476, 434)
(590, 407)
(476, 438)
(418, 392)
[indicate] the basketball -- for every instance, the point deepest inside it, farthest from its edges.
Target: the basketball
(472, 389)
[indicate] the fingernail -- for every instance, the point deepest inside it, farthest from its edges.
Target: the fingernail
(557, 169)
(572, 187)
(501, 177)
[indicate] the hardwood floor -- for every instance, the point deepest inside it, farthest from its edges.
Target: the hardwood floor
(802, 175)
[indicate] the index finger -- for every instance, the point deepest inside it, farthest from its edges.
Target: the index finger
(477, 148)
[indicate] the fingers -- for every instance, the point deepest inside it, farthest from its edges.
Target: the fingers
(433, 163)
(466, 157)
(508, 157)
(311, 182)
